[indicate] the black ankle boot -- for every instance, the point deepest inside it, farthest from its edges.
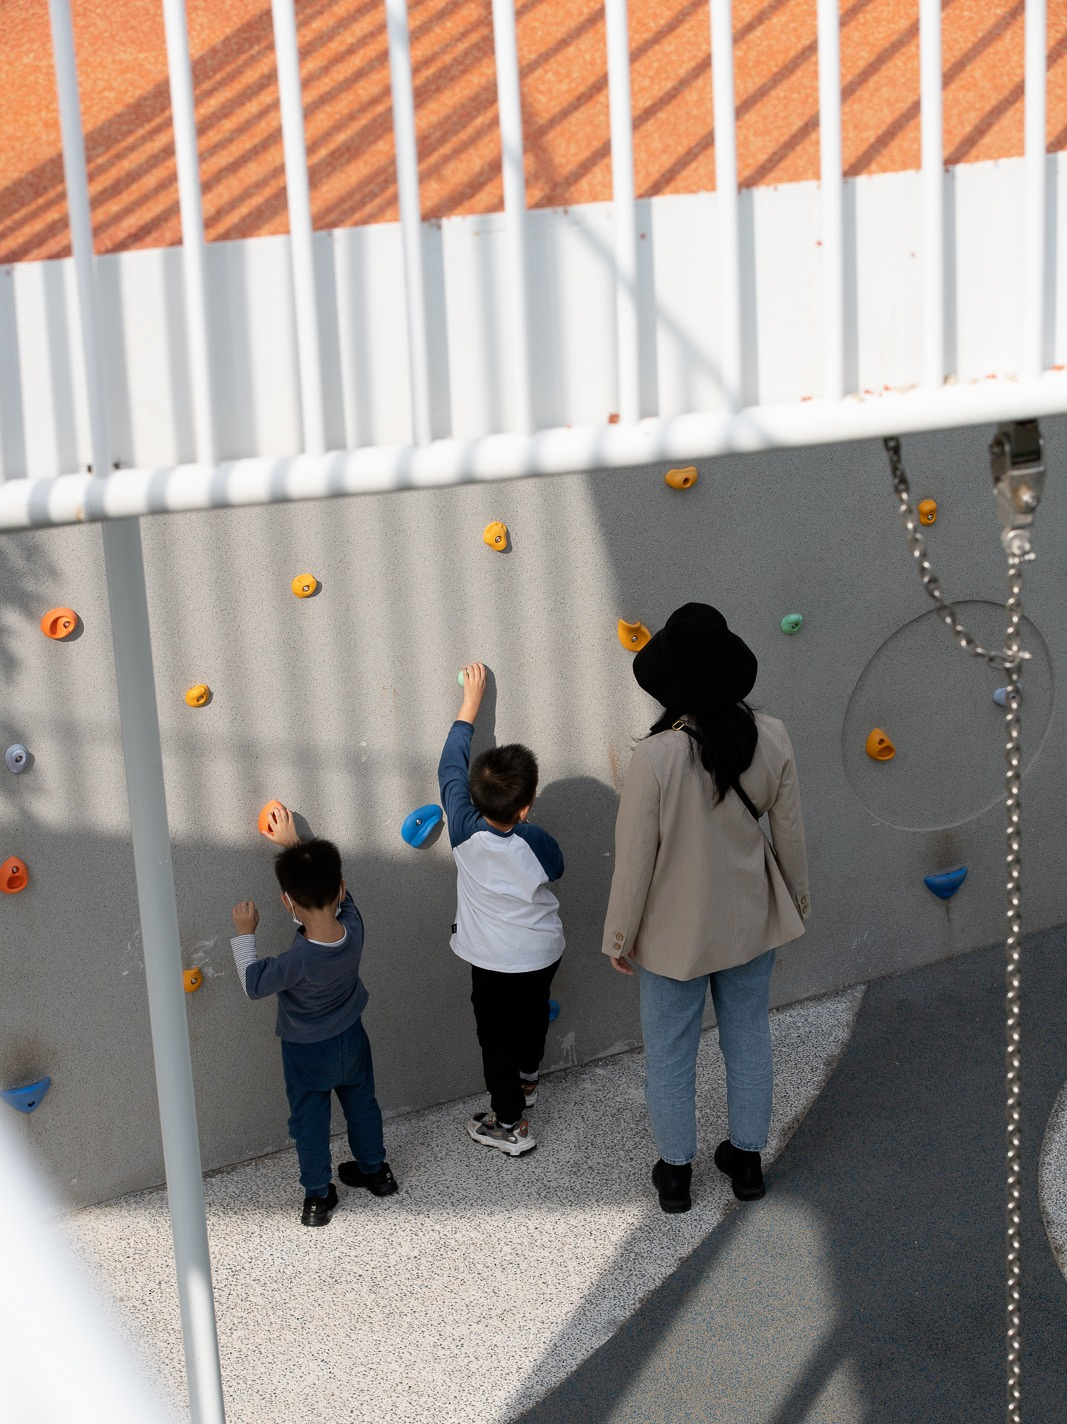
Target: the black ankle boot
(672, 1183)
(744, 1170)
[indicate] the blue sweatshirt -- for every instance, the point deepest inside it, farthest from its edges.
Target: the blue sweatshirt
(507, 918)
(319, 990)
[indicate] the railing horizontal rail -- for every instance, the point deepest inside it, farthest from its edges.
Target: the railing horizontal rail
(76, 499)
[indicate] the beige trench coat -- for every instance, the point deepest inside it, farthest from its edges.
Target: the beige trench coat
(697, 887)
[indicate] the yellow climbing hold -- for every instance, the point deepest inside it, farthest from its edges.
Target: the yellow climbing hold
(198, 694)
(928, 511)
(304, 585)
(192, 979)
(684, 478)
(496, 535)
(879, 747)
(633, 636)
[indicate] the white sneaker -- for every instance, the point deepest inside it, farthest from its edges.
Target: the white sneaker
(484, 1128)
(529, 1092)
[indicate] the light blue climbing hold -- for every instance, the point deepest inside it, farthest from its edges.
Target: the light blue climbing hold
(553, 1010)
(27, 1098)
(420, 823)
(16, 758)
(1000, 697)
(459, 677)
(946, 884)
(791, 622)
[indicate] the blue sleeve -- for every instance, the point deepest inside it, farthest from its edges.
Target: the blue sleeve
(350, 917)
(544, 847)
(264, 977)
(453, 775)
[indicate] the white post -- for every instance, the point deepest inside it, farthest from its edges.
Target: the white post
(194, 250)
(623, 207)
(407, 182)
(301, 238)
(509, 107)
(832, 184)
(933, 193)
(1033, 317)
(148, 808)
(726, 201)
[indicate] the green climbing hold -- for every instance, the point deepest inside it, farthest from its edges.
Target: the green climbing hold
(791, 622)
(459, 677)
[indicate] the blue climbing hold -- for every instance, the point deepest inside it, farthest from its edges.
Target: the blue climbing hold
(946, 884)
(27, 1098)
(1000, 697)
(16, 758)
(553, 1010)
(420, 823)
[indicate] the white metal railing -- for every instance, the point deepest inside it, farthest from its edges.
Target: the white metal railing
(525, 450)
(740, 425)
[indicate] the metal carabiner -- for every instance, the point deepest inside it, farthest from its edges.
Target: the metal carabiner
(1017, 463)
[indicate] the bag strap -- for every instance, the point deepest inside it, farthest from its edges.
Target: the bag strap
(681, 726)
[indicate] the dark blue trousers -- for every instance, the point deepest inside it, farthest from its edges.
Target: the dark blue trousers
(313, 1071)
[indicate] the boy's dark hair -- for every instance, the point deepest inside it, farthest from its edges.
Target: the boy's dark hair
(310, 874)
(503, 780)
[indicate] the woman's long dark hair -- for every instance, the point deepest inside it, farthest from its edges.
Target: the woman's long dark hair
(726, 740)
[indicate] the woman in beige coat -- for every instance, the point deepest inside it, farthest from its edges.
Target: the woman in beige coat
(700, 898)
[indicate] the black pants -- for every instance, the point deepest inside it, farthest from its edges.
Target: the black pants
(511, 1011)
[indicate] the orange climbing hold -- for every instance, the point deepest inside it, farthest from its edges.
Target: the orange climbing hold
(198, 694)
(496, 535)
(928, 511)
(13, 875)
(879, 747)
(633, 636)
(59, 623)
(192, 979)
(264, 822)
(304, 585)
(684, 478)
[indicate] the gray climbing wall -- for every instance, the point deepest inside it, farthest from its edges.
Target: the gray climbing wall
(338, 704)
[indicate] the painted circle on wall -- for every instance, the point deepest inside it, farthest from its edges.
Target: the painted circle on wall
(935, 703)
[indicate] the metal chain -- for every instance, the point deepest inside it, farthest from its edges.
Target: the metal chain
(1013, 989)
(929, 579)
(1011, 660)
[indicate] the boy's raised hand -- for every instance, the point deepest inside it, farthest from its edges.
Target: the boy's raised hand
(245, 917)
(473, 692)
(281, 828)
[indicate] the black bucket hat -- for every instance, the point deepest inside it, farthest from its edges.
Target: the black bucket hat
(695, 662)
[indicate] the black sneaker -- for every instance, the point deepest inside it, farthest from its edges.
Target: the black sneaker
(382, 1182)
(744, 1169)
(672, 1183)
(318, 1210)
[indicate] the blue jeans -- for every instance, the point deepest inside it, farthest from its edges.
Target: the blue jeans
(313, 1071)
(671, 1014)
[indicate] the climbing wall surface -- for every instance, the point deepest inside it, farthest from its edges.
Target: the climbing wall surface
(337, 703)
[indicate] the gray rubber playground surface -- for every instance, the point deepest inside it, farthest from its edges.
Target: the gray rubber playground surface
(869, 1284)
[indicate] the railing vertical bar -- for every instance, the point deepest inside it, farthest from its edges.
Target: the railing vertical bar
(509, 106)
(1034, 203)
(301, 237)
(194, 248)
(832, 185)
(624, 210)
(407, 181)
(143, 759)
(726, 201)
(933, 193)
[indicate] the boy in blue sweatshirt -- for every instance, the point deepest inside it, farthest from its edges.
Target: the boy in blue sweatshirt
(507, 919)
(321, 999)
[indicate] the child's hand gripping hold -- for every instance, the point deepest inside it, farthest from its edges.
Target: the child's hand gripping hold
(473, 692)
(281, 828)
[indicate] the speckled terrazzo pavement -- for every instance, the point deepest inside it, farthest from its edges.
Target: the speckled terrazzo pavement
(868, 1287)
(1054, 1180)
(482, 1284)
